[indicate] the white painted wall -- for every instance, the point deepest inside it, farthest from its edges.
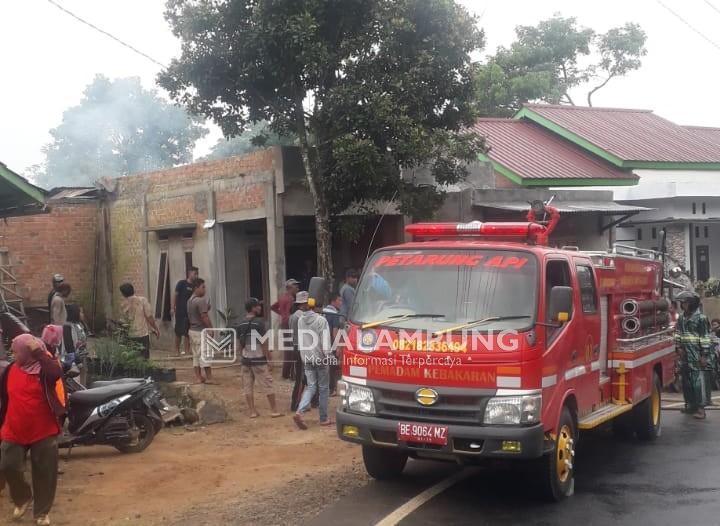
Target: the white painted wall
(657, 184)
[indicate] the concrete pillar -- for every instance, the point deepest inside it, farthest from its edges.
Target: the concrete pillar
(275, 226)
(216, 258)
(145, 240)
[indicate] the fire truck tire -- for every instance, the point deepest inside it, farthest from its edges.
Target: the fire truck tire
(383, 463)
(557, 472)
(623, 426)
(647, 414)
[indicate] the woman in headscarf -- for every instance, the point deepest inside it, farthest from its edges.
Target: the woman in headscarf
(31, 405)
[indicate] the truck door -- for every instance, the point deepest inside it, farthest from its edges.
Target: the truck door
(559, 341)
(590, 338)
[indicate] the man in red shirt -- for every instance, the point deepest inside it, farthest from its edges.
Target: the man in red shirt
(30, 407)
(283, 308)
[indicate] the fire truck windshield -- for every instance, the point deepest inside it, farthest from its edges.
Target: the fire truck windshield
(461, 286)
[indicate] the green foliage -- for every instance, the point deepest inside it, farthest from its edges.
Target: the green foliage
(117, 355)
(257, 136)
(367, 87)
(548, 60)
(118, 128)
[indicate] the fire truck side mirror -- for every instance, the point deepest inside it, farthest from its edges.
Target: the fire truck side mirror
(561, 300)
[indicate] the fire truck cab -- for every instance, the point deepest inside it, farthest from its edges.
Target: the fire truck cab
(479, 341)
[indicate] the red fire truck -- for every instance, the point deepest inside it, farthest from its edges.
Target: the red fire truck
(478, 340)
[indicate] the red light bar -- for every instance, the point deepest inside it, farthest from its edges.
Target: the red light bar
(475, 228)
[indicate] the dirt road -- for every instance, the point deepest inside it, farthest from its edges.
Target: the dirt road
(246, 471)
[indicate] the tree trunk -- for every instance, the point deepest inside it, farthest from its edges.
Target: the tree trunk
(323, 235)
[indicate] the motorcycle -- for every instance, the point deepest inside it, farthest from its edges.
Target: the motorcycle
(124, 414)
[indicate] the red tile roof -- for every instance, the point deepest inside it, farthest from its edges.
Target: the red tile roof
(533, 152)
(632, 135)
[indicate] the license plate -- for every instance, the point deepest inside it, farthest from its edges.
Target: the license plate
(422, 433)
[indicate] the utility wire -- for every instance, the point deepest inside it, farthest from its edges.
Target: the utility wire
(689, 25)
(712, 6)
(116, 39)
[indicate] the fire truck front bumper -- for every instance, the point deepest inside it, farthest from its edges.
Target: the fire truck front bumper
(460, 441)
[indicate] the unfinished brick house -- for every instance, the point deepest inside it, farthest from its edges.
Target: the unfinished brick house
(44, 233)
(246, 222)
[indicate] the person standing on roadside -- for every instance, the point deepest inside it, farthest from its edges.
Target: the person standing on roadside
(198, 309)
(336, 323)
(283, 308)
(139, 317)
(31, 405)
(297, 362)
(347, 291)
(178, 309)
(256, 367)
(58, 311)
(56, 280)
(315, 347)
(692, 340)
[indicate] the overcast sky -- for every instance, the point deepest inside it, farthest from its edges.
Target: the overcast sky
(47, 58)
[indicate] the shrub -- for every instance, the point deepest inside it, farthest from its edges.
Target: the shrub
(116, 355)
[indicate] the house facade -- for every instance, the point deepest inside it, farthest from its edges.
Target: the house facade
(678, 170)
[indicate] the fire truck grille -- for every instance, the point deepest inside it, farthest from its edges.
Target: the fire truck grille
(450, 409)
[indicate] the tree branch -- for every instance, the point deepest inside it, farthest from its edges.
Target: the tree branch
(601, 85)
(565, 78)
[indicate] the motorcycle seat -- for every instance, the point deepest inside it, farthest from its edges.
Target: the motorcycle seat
(104, 383)
(97, 395)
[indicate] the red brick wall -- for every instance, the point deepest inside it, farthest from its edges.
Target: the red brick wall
(182, 176)
(252, 196)
(62, 241)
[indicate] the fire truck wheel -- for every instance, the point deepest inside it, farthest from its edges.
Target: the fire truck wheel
(557, 470)
(383, 463)
(647, 414)
(623, 426)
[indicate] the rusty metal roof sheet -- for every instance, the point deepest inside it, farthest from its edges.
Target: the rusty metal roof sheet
(531, 152)
(574, 207)
(74, 193)
(627, 134)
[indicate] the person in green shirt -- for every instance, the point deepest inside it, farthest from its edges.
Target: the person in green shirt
(693, 343)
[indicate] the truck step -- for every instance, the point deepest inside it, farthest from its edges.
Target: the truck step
(603, 414)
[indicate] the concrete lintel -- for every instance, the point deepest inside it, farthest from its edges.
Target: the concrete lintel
(242, 215)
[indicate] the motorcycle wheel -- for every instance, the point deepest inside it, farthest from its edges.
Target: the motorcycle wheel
(146, 433)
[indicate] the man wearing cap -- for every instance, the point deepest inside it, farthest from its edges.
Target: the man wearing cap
(56, 280)
(297, 363)
(315, 347)
(255, 355)
(283, 308)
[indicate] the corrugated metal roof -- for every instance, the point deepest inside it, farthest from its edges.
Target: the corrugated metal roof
(707, 133)
(574, 207)
(533, 152)
(75, 193)
(18, 196)
(632, 135)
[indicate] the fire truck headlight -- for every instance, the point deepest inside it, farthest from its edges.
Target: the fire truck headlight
(513, 410)
(359, 399)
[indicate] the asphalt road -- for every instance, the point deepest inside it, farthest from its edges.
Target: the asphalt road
(673, 481)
